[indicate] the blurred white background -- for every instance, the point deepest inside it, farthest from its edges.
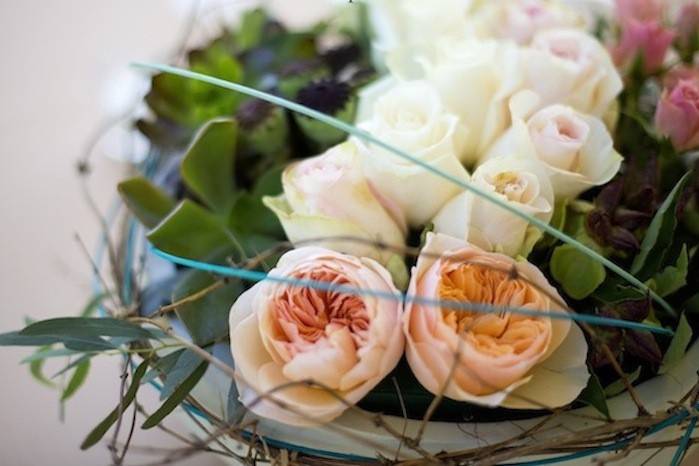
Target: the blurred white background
(64, 70)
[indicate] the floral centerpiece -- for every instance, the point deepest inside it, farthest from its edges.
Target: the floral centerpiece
(449, 232)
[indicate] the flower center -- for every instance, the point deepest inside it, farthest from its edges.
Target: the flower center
(512, 186)
(306, 316)
(495, 333)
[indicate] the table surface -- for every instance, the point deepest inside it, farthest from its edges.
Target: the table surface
(65, 69)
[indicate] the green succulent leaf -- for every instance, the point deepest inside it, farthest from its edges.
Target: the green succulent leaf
(678, 345)
(147, 202)
(192, 231)
(658, 238)
(577, 273)
(101, 429)
(206, 319)
(207, 168)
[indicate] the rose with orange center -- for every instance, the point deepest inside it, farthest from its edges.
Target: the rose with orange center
(497, 357)
(345, 342)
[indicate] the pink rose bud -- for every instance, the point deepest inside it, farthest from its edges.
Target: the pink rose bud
(641, 10)
(677, 116)
(687, 25)
(649, 39)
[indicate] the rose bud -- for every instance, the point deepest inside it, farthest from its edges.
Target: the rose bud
(328, 199)
(641, 10)
(687, 27)
(677, 115)
(492, 358)
(283, 333)
(648, 40)
(576, 149)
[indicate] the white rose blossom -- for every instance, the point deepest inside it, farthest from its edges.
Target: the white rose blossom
(476, 80)
(576, 149)
(571, 67)
(518, 181)
(327, 198)
(410, 116)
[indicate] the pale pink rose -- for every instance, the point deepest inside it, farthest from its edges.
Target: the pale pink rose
(504, 358)
(642, 10)
(647, 39)
(283, 333)
(677, 115)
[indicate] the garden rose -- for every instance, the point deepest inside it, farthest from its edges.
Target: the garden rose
(328, 197)
(282, 333)
(410, 116)
(504, 358)
(476, 79)
(576, 149)
(518, 181)
(519, 20)
(571, 67)
(677, 115)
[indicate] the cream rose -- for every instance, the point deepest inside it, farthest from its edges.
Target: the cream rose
(405, 29)
(476, 80)
(410, 116)
(571, 67)
(328, 197)
(504, 358)
(283, 333)
(519, 20)
(518, 181)
(576, 149)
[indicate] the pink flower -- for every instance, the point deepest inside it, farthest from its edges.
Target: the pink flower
(283, 333)
(677, 115)
(641, 10)
(648, 39)
(504, 358)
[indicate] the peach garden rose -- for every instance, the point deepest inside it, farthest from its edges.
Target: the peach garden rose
(504, 359)
(282, 333)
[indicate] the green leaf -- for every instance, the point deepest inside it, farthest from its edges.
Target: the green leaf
(77, 379)
(176, 398)
(191, 231)
(594, 396)
(618, 386)
(678, 345)
(85, 326)
(658, 238)
(251, 30)
(207, 168)
(186, 364)
(101, 429)
(16, 339)
(147, 202)
(87, 343)
(36, 369)
(162, 366)
(672, 278)
(249, 215)
(47, 353)
(206, 319)
(558, 221)
(73, 364)
(578, 274)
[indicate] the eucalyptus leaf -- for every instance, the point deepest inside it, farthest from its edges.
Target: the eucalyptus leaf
(162, 366)
(207, 168)
(36, 369)
(101, 429)
(73, 364)
(672, 277)
(186, 364)
(85, 326)
(658, 238)
(147, 202)
(594, 396)
(176, 398)
(578, 274)
(235, 410)
(17, 339)
(678, 345)
(76, 380)
(206, 319)
(193, 232)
